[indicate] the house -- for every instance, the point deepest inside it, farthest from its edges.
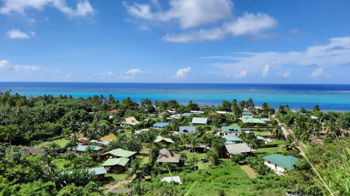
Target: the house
(247, 113)
(170, 179)
(163, 140)
(116, 164)
(200, 148)
(99, 142)
(199, 121)
(241, 148)
(165, 156)
(232, 139)
(141, 131)
(196, 112)
(83, 140)
(130, 121)
(174, 116)
(223, 112)
(187, 129)
(280, 163)
(84, 148)
(263, 140)
(112, 112)
(251, 120)
(119, 153)
(160, 124)
(230, 130)
(98, 171)
(186, 114)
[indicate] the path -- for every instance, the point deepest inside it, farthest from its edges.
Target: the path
(249, 171)
(116, 185)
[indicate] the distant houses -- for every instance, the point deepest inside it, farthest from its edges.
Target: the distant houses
(251, 120)
(165, 156)
(164, 140)
(199, 121)
(280, 163)
(160, 124)
(187, 129)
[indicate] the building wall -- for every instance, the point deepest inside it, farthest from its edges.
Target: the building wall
(277, 169)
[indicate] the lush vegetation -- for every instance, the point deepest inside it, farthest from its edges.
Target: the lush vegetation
(37, 136)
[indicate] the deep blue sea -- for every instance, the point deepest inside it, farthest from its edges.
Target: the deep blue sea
(329, 97)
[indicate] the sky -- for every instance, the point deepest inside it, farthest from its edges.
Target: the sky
(175, 41)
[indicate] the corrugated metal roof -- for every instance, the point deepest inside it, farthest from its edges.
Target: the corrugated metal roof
(116, 161)
(187, 129)
(196, 120)
(161, 138)
(120, 153)
(284, 161)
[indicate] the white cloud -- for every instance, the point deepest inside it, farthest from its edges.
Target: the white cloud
(5, 65)
(266, 70)
(200, 35)
(336, 52)
(182, 73)
(134, 71)
(83, 7)
(284, 74)
(248, 24)
(189, 13)
(317, 73)
(17, 34)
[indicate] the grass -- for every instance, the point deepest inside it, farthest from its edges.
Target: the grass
(117, 177)
(59, 162)
(227, 178)
(61, 142)
(272, 150)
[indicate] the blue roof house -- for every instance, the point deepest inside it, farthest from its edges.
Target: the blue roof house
(160, 124)
(187, 129)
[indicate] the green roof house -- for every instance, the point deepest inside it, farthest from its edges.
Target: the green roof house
(116, 164)
(120, 153)
(98, 171)
(280, 163)
(232, 139)
(164, 140)
(84, 148)
(230, 130)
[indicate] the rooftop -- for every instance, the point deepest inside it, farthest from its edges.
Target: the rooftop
(231, 129)
(98, 170)
(161, 138)
(196, 120)
(116, 161)
(285, 161)
(169, 179)
(160, 124)
(120, 153)
(165, 156)
(238, 148)
(109, 137)
(84, 148)
(247, 119)
(187, 129)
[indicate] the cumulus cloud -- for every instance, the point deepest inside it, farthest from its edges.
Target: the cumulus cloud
(5, 65)
(17, 34)
(83, 7)
(188, 13)
(334, 53)
(317, 73)
(195, 13)
(182, 73)
(134, 71)
(248, 24)
(266, 70)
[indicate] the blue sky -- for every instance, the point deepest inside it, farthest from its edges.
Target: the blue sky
(212, 41)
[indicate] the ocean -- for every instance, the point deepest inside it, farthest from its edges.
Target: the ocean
(328, 97)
